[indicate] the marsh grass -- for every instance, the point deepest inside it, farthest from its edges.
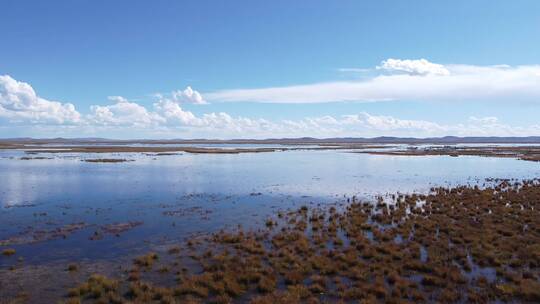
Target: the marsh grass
(8, 252)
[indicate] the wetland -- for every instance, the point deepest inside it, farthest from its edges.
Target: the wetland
(269, 223)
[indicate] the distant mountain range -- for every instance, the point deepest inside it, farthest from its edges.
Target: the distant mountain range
(302, 140)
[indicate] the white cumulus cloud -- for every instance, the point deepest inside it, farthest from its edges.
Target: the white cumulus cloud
(20, 103)
(122, 113)
(187, 96)
(173, 113)
(414, 67)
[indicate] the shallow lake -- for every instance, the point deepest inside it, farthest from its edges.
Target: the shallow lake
(169, 198)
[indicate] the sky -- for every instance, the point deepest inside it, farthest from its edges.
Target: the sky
(269, 69)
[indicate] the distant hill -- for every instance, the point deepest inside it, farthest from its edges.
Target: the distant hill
(302, 140)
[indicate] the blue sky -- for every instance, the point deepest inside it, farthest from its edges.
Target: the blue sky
(246, 60)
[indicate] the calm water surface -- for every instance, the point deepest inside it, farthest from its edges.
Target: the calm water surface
(179, 195)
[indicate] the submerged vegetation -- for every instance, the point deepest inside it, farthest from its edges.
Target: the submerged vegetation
(463, 244)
